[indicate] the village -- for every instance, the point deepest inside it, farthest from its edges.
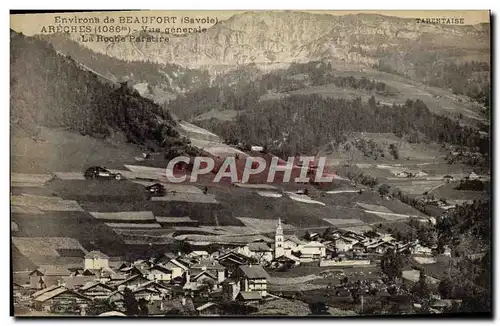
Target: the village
(230, 281)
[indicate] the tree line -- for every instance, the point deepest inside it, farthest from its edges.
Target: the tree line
(301, 124)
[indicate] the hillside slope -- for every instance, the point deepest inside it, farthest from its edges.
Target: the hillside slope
(153, 80)
(50, 90)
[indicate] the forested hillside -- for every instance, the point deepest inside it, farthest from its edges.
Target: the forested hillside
(301, 124)
(169, 77)
(468, 78)
(244, 93)
(48, 89)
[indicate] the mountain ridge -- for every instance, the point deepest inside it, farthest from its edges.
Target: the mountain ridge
(271, 37)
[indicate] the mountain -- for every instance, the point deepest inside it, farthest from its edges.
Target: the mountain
(159, 82)
(53, 91)
(277, 37)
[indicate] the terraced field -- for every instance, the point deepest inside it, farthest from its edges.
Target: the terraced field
(121, 218)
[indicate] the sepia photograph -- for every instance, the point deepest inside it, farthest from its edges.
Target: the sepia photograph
(252, 163)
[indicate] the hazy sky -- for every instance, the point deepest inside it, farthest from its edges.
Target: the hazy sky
(30, 24)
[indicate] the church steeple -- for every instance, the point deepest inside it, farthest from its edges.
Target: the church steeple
(278, 241)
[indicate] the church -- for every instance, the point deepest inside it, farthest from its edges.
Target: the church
(294, 249)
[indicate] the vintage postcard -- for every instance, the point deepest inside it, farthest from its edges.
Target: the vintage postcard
(250, 163)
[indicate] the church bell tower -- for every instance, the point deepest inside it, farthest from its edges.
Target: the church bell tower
(278, 241)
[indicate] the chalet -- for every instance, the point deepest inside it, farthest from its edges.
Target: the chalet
(47, 289)
(379, 247)
(252, 278)
(249, 297)
(344, 244)
(96, 290)
(133, 282)
(259, 250)
(178, 269)
(164, 290)
(77, 281)
(43, 277)
(407, 247)
(61, 299)
(123, 266)
(207, 278)
(159, 273)
(230, 289)
(232, 260)
(149, 294)
(288, 260)
(311, 251)
(96, 260)
(107, 274)
(207, 265)
(314, 236)
(354, 235)
(193, 288)
(208, 309)
(291, 243)
(358, 247)
(387, 238)
(198, 254)
(165, 258)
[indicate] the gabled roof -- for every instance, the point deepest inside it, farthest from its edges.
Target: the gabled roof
(196, 253)
(48, 289)
(287, 257)
(154, 284)
(191, 286)
(90, 285)
(213, 265)
(347, 240)
(233, 257)
(161, 268)
(51, 294)
(143, 289)
(248, 295)
(52, 271)
(295, 239)
(178, 264)
(89, 272)
(254, 271)
(313, 244)
(96, 254)
(205, 273)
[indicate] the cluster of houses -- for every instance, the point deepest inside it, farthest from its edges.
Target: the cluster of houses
(198, 279)
(371, 243)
